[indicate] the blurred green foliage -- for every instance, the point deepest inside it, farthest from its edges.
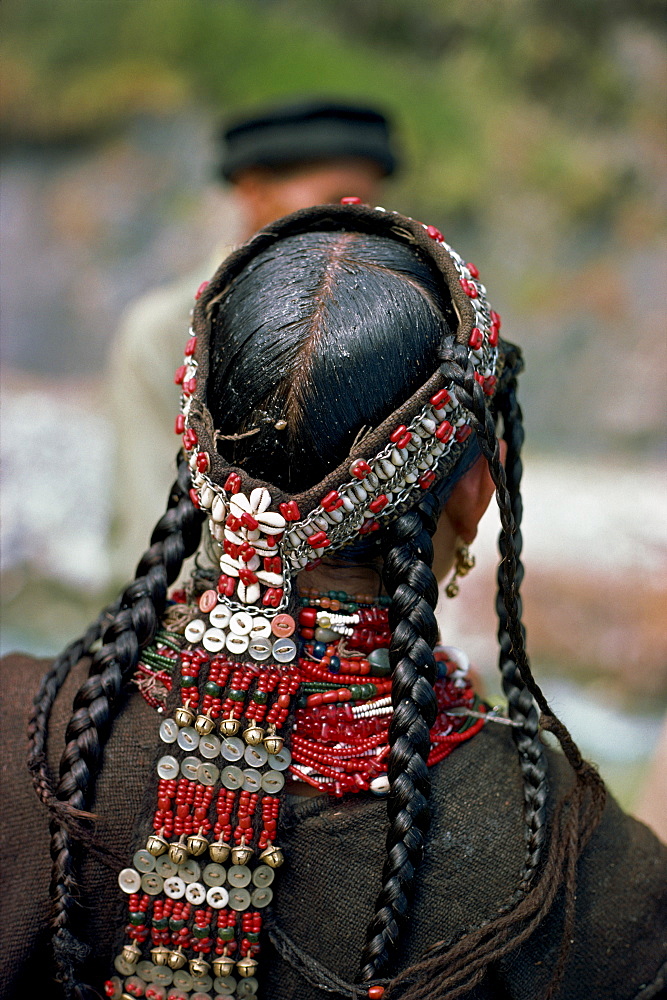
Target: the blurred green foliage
(491, 89)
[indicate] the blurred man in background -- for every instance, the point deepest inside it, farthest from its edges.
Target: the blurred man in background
(277, 162)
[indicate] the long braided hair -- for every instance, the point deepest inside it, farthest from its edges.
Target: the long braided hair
(300, 333)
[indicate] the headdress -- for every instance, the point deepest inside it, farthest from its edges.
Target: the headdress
(266, 536)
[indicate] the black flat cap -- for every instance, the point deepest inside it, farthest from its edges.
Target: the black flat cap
(306, 132)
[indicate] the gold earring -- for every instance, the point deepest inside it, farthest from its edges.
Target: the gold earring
(464, 563)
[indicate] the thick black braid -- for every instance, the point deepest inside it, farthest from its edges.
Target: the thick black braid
(97, 702)
(409, 579)
(511, 633)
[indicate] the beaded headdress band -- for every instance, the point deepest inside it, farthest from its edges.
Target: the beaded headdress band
(266, 536)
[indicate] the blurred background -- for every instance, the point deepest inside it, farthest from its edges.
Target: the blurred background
(533, 137)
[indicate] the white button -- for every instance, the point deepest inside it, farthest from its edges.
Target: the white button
(174, 887)
(262, 876)
(183, 980)
(239, 876)
(239, 899)
(232, 777)
(129, 880)
(217, 897)
(248, 987)
(169, 731)
(255, 756)
(189, 871)
(273, 782)
(225, 985)
(284, 650)
(232, 748)
(252, 780)
(220, 616)
(215, 874)
(144, 861)
(189, 767)
(209, 747)
(195, 893)
(152, 884)
(207, 773)
(259, 649)
(165, 867)
(194, 630)
(188, 739)
(240, 623)
(214, 640)
(167, 767)
(261, 897)
(237, 643)
(280, 761)
(261, 628)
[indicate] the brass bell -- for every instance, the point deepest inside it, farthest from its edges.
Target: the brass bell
(178, 853)
(230, 726)
(253, 735)
(184, 716)
(247, 966)
(272, 856)
(197, 844)
(219, 852)
(272, 742)
(204, 725)
(241, 855)
(131, 953)
(156, 845)
(160, 955)
(176, 959)
(198, 967)
(223, 966)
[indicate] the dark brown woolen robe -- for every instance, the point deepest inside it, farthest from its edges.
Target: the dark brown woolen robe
(324, 894)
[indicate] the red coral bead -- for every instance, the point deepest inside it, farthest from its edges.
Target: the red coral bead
(463, 432)
(200, 290)
(378, 504)
(189, 439)
(495, 318)
(249, 521)
(476, 338)
(427, 479)
(319, 540)
(444, 431)
(189, 386)
(179, 375)
(332, 501)
(375, 992)
(440, 399)
(232, 483)
(195, 499)
(202, 461)
(351, 199)
(179, 424)
(434, 233)
(469, 288)
(360, 469)
(473, 270)
(190, 346)
(290, 511)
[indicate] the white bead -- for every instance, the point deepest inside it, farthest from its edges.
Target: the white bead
(249, 593)
(218, 509)
(347, 504)
(239, 504)
(272, 522)
(206, 497)
(359, 492)
(270, 579)
(218, 531)
(228, 565)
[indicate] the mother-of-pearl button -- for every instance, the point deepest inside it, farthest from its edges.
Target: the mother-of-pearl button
(151, 883)
(209, 746)
(194, 630)
(195, 893)
(188, 739)
(214, 640)
(261, 897)
(219, 617)
(252, 780)
(189, 871)
(280, 761)
(174, 887)
(237, 643)
(217, 897)
(284, 650)
(232, 748)
(189, 767)
(240, 623)
(169, 731)
(261, 627)
(259, 648)
(167, 767)
(255, 756)
(129, 880)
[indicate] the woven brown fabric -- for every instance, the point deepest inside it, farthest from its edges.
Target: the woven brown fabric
(325, 892)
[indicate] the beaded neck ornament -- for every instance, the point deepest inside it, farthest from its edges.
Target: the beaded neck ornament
(247, 654)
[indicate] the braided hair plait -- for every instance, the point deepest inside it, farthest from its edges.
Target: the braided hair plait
(96, 704)
(409, 579)
(511, 634)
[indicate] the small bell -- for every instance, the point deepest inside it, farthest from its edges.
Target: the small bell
(176, 959)
(230, 726)
(223, 966)
(272, 742)
(156, 845)
(198, 967)
(272, 856)
(241, 855)
(160, 955)
(253, 735)
(247, 966)
(184, 716)
(178, 853)
(131, 953)
(204, 725)
(219, 852)
(197, 844)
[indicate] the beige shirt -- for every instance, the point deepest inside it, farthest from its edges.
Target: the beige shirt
(144, 403)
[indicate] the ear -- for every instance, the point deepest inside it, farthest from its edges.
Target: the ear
(470, 498)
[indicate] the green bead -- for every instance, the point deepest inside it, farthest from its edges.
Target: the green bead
(253, 938)
(260, 697)
(201, 932)
(187, 682)
(137, 919)
(176, 925)
(237, 695)
(226, 933)
(356, 689)
(213, 689)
